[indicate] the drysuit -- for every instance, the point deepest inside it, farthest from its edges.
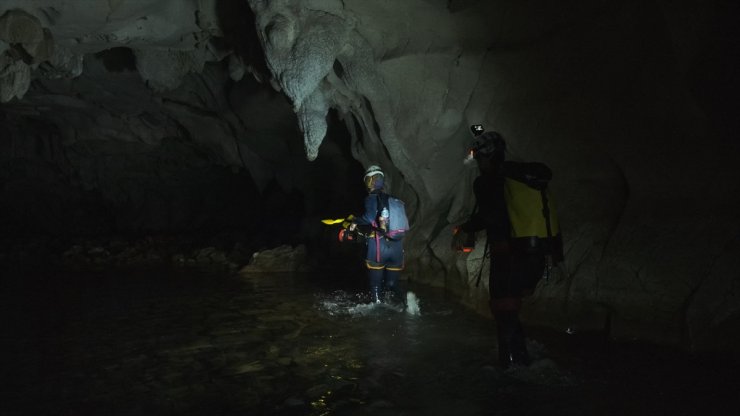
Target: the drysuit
(515, 267)
(385, 257)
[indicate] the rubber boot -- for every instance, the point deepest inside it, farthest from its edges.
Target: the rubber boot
(518, 344)
(504, 353)
(398, 297)
(375, 281)
(503, 331)
(512, 347)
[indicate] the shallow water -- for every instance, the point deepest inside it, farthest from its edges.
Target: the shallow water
(161, 343)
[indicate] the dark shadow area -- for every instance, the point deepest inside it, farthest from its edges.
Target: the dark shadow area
(117, 59)
(107, 202)
(236, 20)
(339, 191)
(155, 200)
(647, 379)
(712, 77)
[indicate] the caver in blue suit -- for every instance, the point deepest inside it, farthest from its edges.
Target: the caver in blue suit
(385, 257)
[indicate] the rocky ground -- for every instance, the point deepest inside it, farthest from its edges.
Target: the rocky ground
(220, 253)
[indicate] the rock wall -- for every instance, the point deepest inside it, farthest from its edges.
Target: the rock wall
(620, 99)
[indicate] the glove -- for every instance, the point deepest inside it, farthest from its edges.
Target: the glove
(348, 222)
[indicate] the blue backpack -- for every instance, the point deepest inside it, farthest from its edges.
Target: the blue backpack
(398, 222)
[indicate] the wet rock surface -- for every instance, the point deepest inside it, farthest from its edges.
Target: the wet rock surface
(217, 253)
(168, 342)
(280, 259)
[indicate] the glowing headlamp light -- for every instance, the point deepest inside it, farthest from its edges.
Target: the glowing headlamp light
(477, 129)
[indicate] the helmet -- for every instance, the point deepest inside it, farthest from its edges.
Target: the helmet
(488, 144)
(373, 170)
(374, 178)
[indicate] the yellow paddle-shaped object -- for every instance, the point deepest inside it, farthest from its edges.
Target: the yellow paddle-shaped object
(338, 220)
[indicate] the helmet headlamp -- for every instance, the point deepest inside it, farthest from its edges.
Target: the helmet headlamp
(477, 129)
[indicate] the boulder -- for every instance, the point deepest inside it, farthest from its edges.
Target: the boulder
(280, 259)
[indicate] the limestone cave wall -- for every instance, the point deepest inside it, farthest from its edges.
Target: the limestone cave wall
(628, 102)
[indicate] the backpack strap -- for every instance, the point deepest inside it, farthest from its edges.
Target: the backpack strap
(382, 203)
(550, 242)
(482, 260)
(546, 214)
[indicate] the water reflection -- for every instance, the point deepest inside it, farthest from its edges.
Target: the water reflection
(191, 344)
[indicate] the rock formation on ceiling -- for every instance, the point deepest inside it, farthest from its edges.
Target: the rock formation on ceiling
(629, 103)
(153, 121)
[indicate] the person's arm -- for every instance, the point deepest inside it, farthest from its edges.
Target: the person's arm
(476, 222)
(371, 211)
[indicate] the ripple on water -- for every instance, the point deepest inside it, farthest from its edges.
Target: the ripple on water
(343, 303)
(279, 345)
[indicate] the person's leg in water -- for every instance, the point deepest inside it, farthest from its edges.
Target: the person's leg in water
(393, 257)
(375, 269)
(527, 267)
(375, 278)
(518, 342)
(505, 305)
(512, 347)
(392, 285)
